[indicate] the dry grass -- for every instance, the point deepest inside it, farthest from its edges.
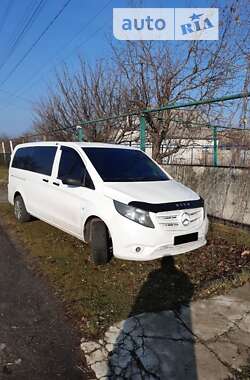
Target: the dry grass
(100, 296)
(3, 173)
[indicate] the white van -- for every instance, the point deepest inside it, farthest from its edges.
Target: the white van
(114, 197)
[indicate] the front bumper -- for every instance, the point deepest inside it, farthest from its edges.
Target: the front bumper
(135, 242)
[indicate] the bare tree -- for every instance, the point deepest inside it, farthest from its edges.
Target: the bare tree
(143, 75)
(86, 95)
(163, 73)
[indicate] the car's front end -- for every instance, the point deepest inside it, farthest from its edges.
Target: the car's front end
(163, 233)
(148, 214)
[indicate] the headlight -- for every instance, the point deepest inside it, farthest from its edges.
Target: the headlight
(135, 214)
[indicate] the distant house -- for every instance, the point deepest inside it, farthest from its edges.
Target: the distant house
(196, 146)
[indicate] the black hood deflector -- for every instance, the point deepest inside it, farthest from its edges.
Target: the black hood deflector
(171, 206)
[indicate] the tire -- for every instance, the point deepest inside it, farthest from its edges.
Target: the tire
(99, 243)
(20, 211)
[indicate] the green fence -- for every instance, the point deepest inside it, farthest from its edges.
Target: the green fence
(142, 115)
(143, 123)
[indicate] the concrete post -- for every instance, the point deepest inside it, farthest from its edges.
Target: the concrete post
(11, 146)
(4, 151)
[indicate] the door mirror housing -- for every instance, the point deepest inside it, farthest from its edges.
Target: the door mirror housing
(72, 181)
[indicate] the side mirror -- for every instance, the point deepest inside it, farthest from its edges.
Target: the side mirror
(72, 182)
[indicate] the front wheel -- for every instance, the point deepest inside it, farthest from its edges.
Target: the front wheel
(20, 211)
(99, 243)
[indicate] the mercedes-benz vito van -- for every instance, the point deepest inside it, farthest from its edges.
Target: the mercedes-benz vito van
(114, 197)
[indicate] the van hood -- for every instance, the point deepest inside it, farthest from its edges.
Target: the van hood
(149, 192)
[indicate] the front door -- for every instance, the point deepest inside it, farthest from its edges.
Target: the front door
(69, 202)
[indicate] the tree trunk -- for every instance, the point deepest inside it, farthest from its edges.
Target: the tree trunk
(156, 147)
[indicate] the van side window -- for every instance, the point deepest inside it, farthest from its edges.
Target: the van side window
(72, 166)
(38, 159)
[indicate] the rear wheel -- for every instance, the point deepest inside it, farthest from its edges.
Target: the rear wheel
(99, 242)
(20, 211)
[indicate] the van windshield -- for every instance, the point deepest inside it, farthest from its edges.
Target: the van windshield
(124, 165)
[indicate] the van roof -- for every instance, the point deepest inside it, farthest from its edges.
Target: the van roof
(77, 144)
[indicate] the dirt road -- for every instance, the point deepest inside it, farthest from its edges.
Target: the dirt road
(36, 342)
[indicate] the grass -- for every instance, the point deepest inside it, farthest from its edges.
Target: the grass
(3, 173)
(100, 296)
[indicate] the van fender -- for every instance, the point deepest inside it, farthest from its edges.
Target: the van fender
(88, 219)
(20, 191)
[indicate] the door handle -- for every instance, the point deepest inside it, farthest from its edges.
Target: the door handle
(45, 180)
(56, 183)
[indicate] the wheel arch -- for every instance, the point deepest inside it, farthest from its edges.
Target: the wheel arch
(16, 194)
(19, 192)
(87, 227)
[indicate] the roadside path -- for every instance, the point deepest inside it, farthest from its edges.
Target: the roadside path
(36, 342)
(205, 340)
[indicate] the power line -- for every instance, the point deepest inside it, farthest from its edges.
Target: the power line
(31, 82)
(19, 95)
(22, 20)
(70, 53)
(28, 24)
(50, 24)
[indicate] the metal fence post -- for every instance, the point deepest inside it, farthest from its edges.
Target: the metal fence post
(142, 133)
(215, 146)
(80, 133)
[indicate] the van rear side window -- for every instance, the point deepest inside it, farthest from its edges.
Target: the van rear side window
(38, 159)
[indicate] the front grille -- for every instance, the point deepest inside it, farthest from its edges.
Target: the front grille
(172, 220)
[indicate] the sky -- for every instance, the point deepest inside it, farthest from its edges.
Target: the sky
(84, 28)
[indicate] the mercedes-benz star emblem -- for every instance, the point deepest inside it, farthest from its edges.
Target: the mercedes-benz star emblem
(185, 219)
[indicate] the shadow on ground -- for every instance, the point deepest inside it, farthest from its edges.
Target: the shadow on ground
(156, 345)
